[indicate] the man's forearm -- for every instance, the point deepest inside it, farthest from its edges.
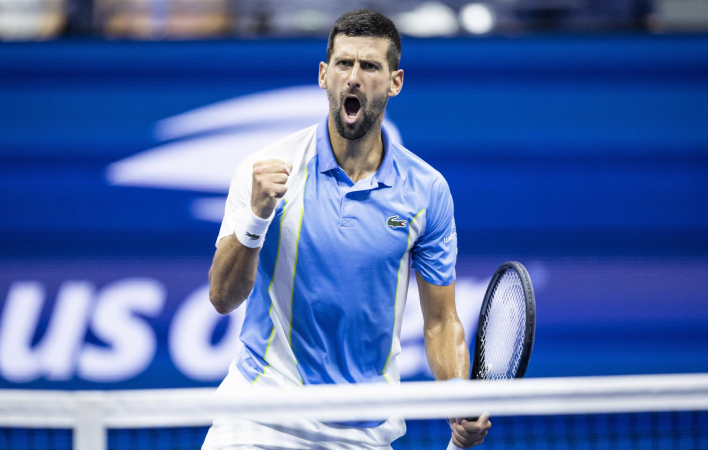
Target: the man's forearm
(447, 352)
(232, 274)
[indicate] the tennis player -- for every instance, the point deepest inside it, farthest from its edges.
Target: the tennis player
(319, 234)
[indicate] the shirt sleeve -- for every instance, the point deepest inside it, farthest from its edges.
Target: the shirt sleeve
(238, 199)
(434, 254)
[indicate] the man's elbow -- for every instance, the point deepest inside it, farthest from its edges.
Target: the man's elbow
(226, 301)
(221, 302)
(442, 326)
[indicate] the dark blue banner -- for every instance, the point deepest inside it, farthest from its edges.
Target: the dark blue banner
(585, 158)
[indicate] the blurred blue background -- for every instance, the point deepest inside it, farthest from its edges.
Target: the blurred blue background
(585, 157)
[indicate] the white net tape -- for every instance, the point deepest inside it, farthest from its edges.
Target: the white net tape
(194, 407)
(503, 329)
(90, 414)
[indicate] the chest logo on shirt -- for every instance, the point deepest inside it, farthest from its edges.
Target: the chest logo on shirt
(395, 222)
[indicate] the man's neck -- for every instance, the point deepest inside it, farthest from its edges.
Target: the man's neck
(359, 158)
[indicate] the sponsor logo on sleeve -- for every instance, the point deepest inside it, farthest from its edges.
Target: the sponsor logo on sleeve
(452, 235)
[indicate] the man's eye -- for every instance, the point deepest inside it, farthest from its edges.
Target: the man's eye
(368, 66)
(344, 63)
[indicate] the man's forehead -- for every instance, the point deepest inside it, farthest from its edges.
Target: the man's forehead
(367, 47)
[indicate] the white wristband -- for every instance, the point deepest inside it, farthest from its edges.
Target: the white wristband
(251, 229)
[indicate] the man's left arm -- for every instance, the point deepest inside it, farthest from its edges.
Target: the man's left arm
(445, 344)
(447, 352)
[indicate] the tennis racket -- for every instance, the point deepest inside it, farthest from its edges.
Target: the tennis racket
(506, 327)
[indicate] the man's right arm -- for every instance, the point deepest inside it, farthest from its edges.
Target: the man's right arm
(233, 272)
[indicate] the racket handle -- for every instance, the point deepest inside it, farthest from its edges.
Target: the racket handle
(452, 446)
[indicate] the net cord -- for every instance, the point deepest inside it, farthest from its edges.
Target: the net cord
(91, 413)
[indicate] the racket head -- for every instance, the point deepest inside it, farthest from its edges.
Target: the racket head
(507, 325)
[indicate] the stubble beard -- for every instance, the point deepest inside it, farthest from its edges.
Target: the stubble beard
(370, 112)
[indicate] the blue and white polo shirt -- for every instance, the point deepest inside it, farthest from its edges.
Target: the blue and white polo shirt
(334, 268)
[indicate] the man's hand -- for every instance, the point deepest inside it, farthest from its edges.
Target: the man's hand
(269, 178)
(468, 433)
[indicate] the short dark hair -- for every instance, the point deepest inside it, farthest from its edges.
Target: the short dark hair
(365, 22)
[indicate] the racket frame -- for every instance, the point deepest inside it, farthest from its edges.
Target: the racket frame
(530, 330)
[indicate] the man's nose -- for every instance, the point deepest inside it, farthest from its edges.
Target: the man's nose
(353, 80)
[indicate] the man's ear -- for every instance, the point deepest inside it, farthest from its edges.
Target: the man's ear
(396, 83)
(322, 78)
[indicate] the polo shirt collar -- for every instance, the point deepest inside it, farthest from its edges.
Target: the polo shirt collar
(326, 160)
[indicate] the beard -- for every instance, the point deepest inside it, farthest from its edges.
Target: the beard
(370, 112)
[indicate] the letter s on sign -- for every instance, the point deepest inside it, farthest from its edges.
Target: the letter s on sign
(131, 341)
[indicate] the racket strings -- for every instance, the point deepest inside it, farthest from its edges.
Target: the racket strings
(503, 329)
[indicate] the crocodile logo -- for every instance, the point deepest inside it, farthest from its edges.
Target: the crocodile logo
(395, 222)
(253, 237)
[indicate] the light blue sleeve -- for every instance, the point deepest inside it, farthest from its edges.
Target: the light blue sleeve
(435, 252)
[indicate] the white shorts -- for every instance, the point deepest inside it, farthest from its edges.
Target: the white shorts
(296, 434)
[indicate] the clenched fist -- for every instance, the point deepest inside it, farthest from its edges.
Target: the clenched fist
(269, 178)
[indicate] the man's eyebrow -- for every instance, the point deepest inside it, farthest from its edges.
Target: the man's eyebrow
(369, 59)
(374, 61)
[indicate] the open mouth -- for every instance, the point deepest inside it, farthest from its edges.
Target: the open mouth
(352, 106)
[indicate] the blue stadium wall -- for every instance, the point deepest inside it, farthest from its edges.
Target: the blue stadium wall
(586, 158)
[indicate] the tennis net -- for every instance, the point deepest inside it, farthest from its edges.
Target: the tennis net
(627, 412)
